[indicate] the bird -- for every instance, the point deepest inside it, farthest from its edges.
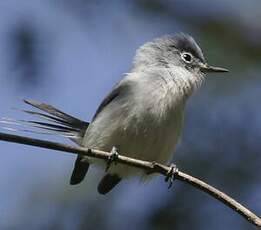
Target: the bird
(142, 116)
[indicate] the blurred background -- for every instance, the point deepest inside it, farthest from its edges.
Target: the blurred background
(69, 53)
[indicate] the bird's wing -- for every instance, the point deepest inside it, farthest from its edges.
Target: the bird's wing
(117, 91)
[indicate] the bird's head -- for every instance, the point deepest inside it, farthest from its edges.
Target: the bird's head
(179, 50)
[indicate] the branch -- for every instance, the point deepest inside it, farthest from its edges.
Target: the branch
(146, 165)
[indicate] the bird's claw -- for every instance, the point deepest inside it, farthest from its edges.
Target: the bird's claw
(112, 158)
(170, 177)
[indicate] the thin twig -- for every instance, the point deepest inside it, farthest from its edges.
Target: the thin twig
(146, 165)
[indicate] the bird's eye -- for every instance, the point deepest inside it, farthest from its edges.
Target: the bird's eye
(187, 57)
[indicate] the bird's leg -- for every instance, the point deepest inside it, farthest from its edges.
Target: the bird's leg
(112, 158)
(170, 177)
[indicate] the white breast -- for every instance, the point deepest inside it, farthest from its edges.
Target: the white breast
(145, 124)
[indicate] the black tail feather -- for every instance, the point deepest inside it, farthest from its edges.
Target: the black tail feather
(55, 112)
(107, 183)
(55, 115)
(65, 125)
(79, 171)
(56, 122)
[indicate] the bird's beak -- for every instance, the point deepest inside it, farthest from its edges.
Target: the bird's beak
(205, 68)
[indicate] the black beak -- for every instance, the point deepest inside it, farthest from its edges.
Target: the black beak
(205, 68)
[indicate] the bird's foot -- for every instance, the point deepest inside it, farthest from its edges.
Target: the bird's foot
(170, 177)
(112, 158)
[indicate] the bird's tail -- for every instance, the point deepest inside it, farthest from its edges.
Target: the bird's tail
(53, 121)
(49, 121)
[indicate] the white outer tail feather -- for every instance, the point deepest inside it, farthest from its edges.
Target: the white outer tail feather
(51, 122)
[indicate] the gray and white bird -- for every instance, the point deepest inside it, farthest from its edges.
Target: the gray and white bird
(143, 114)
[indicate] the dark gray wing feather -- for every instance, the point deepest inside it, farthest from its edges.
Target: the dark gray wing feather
(114, 94)
(81, 165)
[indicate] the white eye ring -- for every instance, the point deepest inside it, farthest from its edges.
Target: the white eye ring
(187, 57)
